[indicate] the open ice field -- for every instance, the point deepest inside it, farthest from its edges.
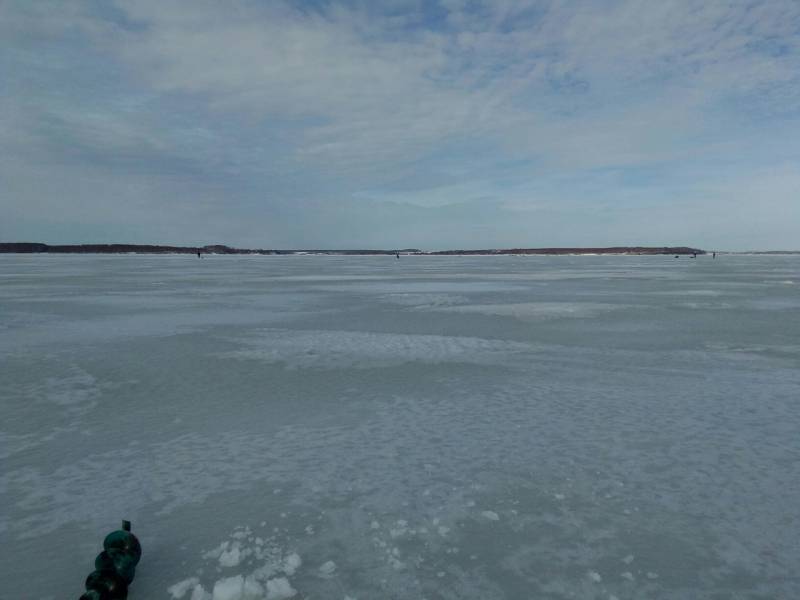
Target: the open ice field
(434, 427)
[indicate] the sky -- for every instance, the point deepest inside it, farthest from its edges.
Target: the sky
(397, 124)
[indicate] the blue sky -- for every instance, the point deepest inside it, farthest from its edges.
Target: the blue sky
(401, 124)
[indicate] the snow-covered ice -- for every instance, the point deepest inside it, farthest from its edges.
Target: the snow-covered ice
(434, 427)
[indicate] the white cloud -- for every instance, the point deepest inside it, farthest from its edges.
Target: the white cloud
(378, 92)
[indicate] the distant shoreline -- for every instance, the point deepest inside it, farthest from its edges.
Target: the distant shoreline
(39, 248)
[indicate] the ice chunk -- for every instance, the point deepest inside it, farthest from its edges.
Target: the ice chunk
(279, 589)
(491, 515)
(229, 588)
(327, 569)
(291, 563)
(216, 552)
(243, 588)
(628, 559)
(252, 589)
(595, 576)
(199, 593)
(230, 557)
(265, 571)
(400, 530)
(179, 589)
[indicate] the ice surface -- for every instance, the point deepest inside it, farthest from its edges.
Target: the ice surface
(536, 310)
(362, 350)
(434, 427)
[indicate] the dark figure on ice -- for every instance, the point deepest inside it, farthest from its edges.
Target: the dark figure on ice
(713, 255)
(397, 254)
(198, 254)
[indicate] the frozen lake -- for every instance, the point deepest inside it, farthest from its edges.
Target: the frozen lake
(431, 427)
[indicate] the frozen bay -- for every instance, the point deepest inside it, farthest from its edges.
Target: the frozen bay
(430, 427)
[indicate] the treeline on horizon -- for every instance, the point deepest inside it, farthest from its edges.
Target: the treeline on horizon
(33, 248)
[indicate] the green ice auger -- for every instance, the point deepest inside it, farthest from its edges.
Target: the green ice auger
(115, 566)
